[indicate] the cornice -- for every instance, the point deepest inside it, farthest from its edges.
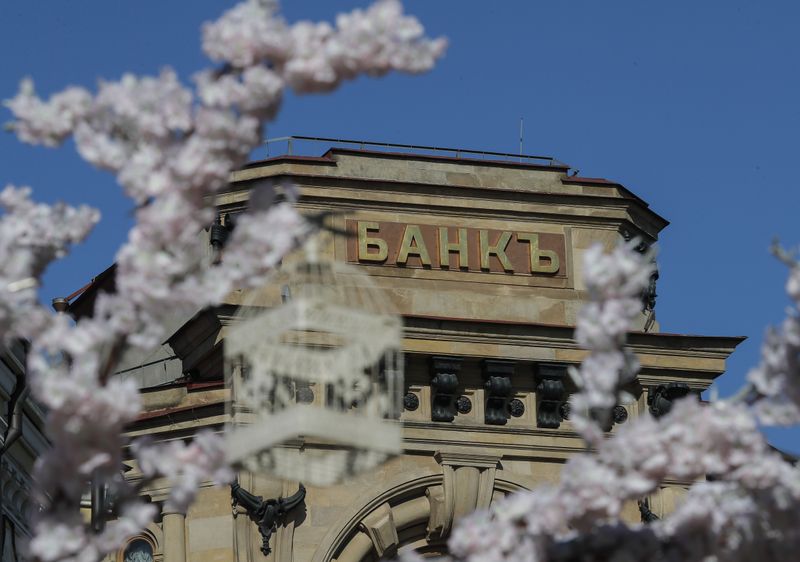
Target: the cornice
(315, 203)
(561, 337)
(634, 208)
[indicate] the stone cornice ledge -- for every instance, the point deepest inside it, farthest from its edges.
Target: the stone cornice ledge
(464, 457)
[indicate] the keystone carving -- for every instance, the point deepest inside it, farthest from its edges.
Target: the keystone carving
(550, 394)
(444, 382)
(267, 514)
(498, 388)
(468, 484)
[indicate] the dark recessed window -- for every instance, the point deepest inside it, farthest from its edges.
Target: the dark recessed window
(138, 550)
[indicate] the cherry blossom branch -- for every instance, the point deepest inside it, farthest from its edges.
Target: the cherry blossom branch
(31, 237)
(776, 379)
(615, 283)
(749, 509)
(171, 149)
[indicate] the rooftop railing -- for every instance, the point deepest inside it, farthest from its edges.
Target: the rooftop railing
(303, 146)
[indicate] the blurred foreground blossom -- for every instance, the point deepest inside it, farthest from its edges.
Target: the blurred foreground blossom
(171, 148)
(749, 507)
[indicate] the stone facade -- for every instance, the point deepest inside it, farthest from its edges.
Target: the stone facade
(16, 461)
(487, 342)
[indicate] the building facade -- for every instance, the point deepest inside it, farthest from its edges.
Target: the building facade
(481, 254)
(21, 442)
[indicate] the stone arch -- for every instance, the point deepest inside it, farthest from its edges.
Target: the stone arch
(153, 535)
(398, 516)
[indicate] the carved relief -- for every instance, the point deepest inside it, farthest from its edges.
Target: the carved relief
(468, 484)
(279, 542)
(464, 405)
(440, 517)
(410, 401)
(516, 408)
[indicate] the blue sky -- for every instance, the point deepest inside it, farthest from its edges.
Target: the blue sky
(692, 105)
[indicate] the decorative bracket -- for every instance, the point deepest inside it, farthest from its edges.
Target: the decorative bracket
(444, 382)
(498, 388)
(661, 398)
(267, 514)
(221, 230)
(645, 512)
(550, 394)
(218, 235)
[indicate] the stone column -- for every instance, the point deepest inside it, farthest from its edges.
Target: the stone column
(174, 537)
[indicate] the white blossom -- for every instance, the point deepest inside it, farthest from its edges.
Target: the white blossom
(777, 377)
(748, 512)
(186, 466)
(171, 150)
(31, 236)
(247, 34)
(615, 282)
(50, 122)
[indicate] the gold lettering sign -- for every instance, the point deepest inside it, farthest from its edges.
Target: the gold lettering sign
(365, 242)
(413, 244)
(498, 250)
(518, 252)
(552, 263)
(445, 247)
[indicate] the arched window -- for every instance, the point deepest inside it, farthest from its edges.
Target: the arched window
(138, 549)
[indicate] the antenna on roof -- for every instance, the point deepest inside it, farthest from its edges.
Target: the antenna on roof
(520, 139)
